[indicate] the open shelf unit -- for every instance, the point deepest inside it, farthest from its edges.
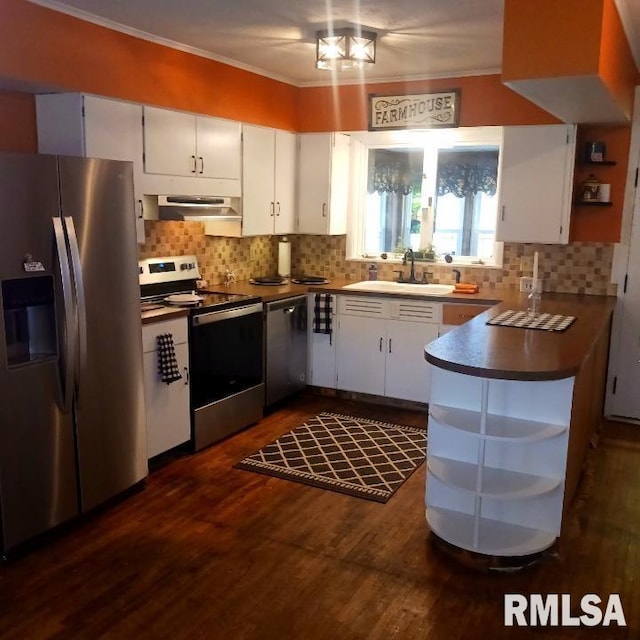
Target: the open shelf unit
(495, 476)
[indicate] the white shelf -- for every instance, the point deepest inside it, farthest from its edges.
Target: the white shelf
(498, 427)
(496, 483)
(495, 538)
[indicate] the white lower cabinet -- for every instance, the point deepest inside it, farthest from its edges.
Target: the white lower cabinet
(496, 462)
(381, 345)
(362, 354)
(322, 349)
(168, 417)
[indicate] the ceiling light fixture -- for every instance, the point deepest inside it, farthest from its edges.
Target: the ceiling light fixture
(347, 48)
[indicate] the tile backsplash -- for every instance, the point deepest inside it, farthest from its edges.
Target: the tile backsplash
(246, 257)
(580, 267)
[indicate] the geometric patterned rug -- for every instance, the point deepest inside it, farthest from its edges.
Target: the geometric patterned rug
(350, 455)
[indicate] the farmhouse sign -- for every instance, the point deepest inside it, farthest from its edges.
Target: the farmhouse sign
(418, 111)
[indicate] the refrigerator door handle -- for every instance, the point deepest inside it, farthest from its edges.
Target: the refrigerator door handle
(80, 299)
(69, 359)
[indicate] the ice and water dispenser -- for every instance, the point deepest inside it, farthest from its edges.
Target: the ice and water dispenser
(28, 306)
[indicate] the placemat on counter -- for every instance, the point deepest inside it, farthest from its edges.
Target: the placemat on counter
(521, 319)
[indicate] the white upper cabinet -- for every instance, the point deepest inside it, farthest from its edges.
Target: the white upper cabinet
(323, 180)
(536, 184)
(268, 181)
(94, 127)
(185, 145)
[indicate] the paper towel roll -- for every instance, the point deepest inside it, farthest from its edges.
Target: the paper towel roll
(284, 258)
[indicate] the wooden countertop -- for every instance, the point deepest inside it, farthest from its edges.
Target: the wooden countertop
(511, 353)
(163, 313)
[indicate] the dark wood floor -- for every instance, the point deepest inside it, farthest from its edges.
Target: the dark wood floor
(208, 551)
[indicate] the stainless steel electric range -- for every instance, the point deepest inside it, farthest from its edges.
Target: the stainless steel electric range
(226, 355)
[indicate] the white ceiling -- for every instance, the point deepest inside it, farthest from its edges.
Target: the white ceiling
(416, 38)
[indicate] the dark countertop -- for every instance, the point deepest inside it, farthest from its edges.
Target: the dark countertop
(511, 353)
(476, 348)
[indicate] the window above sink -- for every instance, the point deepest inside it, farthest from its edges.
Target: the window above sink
(426, 189)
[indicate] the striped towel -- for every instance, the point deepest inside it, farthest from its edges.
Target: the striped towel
(168, 369)
(323, 314)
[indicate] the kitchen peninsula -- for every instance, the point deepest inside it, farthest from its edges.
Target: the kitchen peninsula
(512, 412)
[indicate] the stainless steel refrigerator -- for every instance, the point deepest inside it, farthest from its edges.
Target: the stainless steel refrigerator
(72, 416)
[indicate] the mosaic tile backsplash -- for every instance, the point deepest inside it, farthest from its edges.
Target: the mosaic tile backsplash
(246, 257)
(581, 267)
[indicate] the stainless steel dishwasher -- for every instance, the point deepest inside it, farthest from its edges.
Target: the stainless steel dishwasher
(286, 348)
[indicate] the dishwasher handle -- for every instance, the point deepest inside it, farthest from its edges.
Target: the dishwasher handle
(288, 304)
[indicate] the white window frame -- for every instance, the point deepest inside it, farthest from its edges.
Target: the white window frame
(432, 140)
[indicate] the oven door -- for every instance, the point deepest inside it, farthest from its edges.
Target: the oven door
(227, 372)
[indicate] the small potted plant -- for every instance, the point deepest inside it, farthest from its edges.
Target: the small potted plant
(428, 254)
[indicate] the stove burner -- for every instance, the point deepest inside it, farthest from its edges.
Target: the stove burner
(309, 280)
(267, 280)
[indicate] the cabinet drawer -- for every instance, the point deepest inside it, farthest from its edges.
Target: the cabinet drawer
(177, 327)
(460, 313)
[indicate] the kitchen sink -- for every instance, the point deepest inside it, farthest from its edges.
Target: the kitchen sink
(385, 286)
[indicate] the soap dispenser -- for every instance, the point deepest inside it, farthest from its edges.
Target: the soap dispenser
(373, 272)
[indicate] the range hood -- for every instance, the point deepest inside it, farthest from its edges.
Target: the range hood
(197, 208)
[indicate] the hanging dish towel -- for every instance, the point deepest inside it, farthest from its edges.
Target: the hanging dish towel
(168, 369)
(322, 315)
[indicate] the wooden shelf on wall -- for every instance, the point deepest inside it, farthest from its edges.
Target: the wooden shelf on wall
(602, 163)
(580, 203)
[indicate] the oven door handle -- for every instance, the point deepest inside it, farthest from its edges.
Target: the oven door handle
(226, 314)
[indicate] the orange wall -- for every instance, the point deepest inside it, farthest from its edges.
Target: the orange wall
(40, 48)
(601, 224)
(550, 38)
(17, 122)
(554, 38)
(484, 101)
(47, 48)
(616, 65)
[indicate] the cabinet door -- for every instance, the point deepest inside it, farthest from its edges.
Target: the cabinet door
(169, 142)
(285, 181)
(536, 177)
(218, 148)
(339, 186)
(314, 176)
(322, 349)
(258, 166)
(168, 418)
(361, 357)
(113, 130)
(407, 372)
